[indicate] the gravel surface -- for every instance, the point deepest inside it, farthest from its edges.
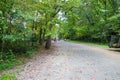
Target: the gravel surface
(72, 61)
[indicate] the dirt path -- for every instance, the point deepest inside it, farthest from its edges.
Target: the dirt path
(72, 61)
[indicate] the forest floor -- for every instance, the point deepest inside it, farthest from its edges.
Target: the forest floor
(71, 61)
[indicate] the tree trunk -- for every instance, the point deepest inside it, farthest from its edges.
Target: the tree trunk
(33, 27)
(2, 49)
(48, 42)
(40, 36)
(118, 45)
(112, 41)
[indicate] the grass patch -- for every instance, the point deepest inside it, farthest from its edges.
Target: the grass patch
(8, 76)
(105, 45)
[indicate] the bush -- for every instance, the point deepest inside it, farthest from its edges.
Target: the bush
(20, 47)
(7, 60)
(29, 53)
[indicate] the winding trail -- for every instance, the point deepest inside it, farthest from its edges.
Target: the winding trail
(72, 61)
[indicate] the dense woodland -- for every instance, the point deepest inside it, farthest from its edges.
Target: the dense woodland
(93, 20)
(27, 24)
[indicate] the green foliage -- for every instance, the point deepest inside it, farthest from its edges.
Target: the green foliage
(29, 53)
(93, 20)
(7, 60)
(8, 76)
